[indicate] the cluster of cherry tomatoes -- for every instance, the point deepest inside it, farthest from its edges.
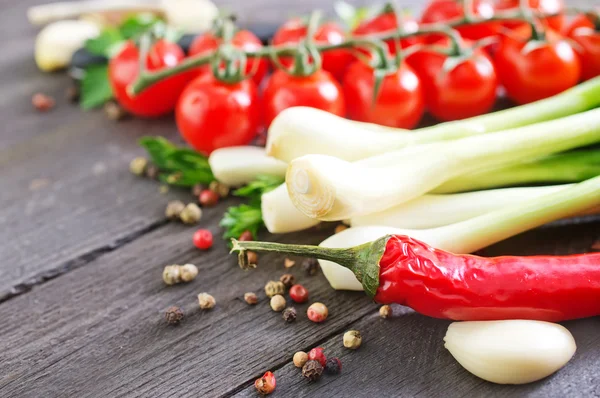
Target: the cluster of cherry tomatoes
(211, 114)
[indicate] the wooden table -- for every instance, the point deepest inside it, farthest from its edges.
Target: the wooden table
(84, 243)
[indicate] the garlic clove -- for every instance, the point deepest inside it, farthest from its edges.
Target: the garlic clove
(511, 351)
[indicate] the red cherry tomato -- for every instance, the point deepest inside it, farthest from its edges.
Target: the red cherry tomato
(446, 10)
(203, 239)
(544, 6)
(456, 87)
(334, 61)
(158, 99)
(244, 39)
(399, 101)
(319, 90)
(540, 69)
(385, 22)
(587, 45)
(211, 114)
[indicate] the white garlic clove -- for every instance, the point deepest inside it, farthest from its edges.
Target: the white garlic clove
(511, 351)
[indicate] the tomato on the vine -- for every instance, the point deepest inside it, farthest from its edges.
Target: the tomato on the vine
(543, 6)
(536, 69)
(386, 22)
(399, 101)
(158, 99)
(456, 87)
(212, 114)
(319, 90)
(243, 39)
(438, 11)
(334, 61)
(583, 32)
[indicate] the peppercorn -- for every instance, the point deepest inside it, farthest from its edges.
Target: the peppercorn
(174, 209)
(333, 366)
(288, 280)
(340, 228)
(219, 188)
(208, 198)
(385, 311)
(277, 303)
(191, 214)
(152, 171)
(206, 301)
(138, 166)
(266, 384)
(114, 111)
(299, 294)
(300, 359)
(274, 287)
(246, 236)
(287, 263)
(72, 93)
(42, 102)
(317, 312)
(352, 339)
(250, 298)
(289, 314)
(173, 274)
(312, 370)
(317, 354)
(174, 315)
(252, 257)
(311, 266)
(203, 239)
(197, 189)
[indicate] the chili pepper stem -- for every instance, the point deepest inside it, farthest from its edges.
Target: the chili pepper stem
(362, 260)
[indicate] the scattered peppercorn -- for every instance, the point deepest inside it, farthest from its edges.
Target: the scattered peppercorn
(174, 209)
(173, 274)
(312, 370)
(300, 359)
(299, 294)
(333, 366)
(266, 384)
(317, 354)
(203, 239)
(311, 266)
(208, 198)
(287, 263)
(219, 188)
(246, 236)
(191, 214)
(252, 257)
(289, 314)
(317, 312)
(274, 287)
(163, 189)
(72, 93)
(340, 228)
(352, 339)
(250, 298)
(206, 301)
(385, 311)
(114, 111)
(277, 303)
(138, 166)
(197, 189)
(174, 315)
(42, 102)
(288, 280)
(152, 171)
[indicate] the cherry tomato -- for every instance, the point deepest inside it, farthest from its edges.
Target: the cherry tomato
(385, 22)
(319, 90)
(334, 61)
(211, 114)
(544, 6)
(203, 239)
(158, 99)
(456, 87)
(399, 101)
(446, 10)
(243, 39)
(587, 45)
(535, 70)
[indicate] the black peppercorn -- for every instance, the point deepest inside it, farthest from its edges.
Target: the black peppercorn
(333, 366)
(288, 280)
(312, 370)
(152, 171)
(174, 315)
(289, 314)
(311, 266)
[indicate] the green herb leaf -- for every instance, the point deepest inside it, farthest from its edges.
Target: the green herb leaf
(262, 184)
(107, 40)
(352, 16)
(137, 25)
(242, 218)
(95, 87)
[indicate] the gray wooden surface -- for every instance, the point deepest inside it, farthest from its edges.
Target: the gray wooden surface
(83, 244)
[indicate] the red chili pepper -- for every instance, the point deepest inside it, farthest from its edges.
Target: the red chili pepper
(439, 284)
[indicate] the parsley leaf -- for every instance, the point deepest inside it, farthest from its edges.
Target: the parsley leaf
(95, 87)
(107, 40)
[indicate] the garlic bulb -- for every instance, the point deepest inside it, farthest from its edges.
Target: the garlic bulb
(512, 351)
(239, 165)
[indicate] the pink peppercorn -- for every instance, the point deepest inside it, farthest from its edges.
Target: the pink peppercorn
(316, 354)
(298, 293)
(317, 312)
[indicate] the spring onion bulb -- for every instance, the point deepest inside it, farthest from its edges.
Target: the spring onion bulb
(300, 131)
(472, 234)
(280, 215)
(241, 164)
(331, 189)
(512, 351)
